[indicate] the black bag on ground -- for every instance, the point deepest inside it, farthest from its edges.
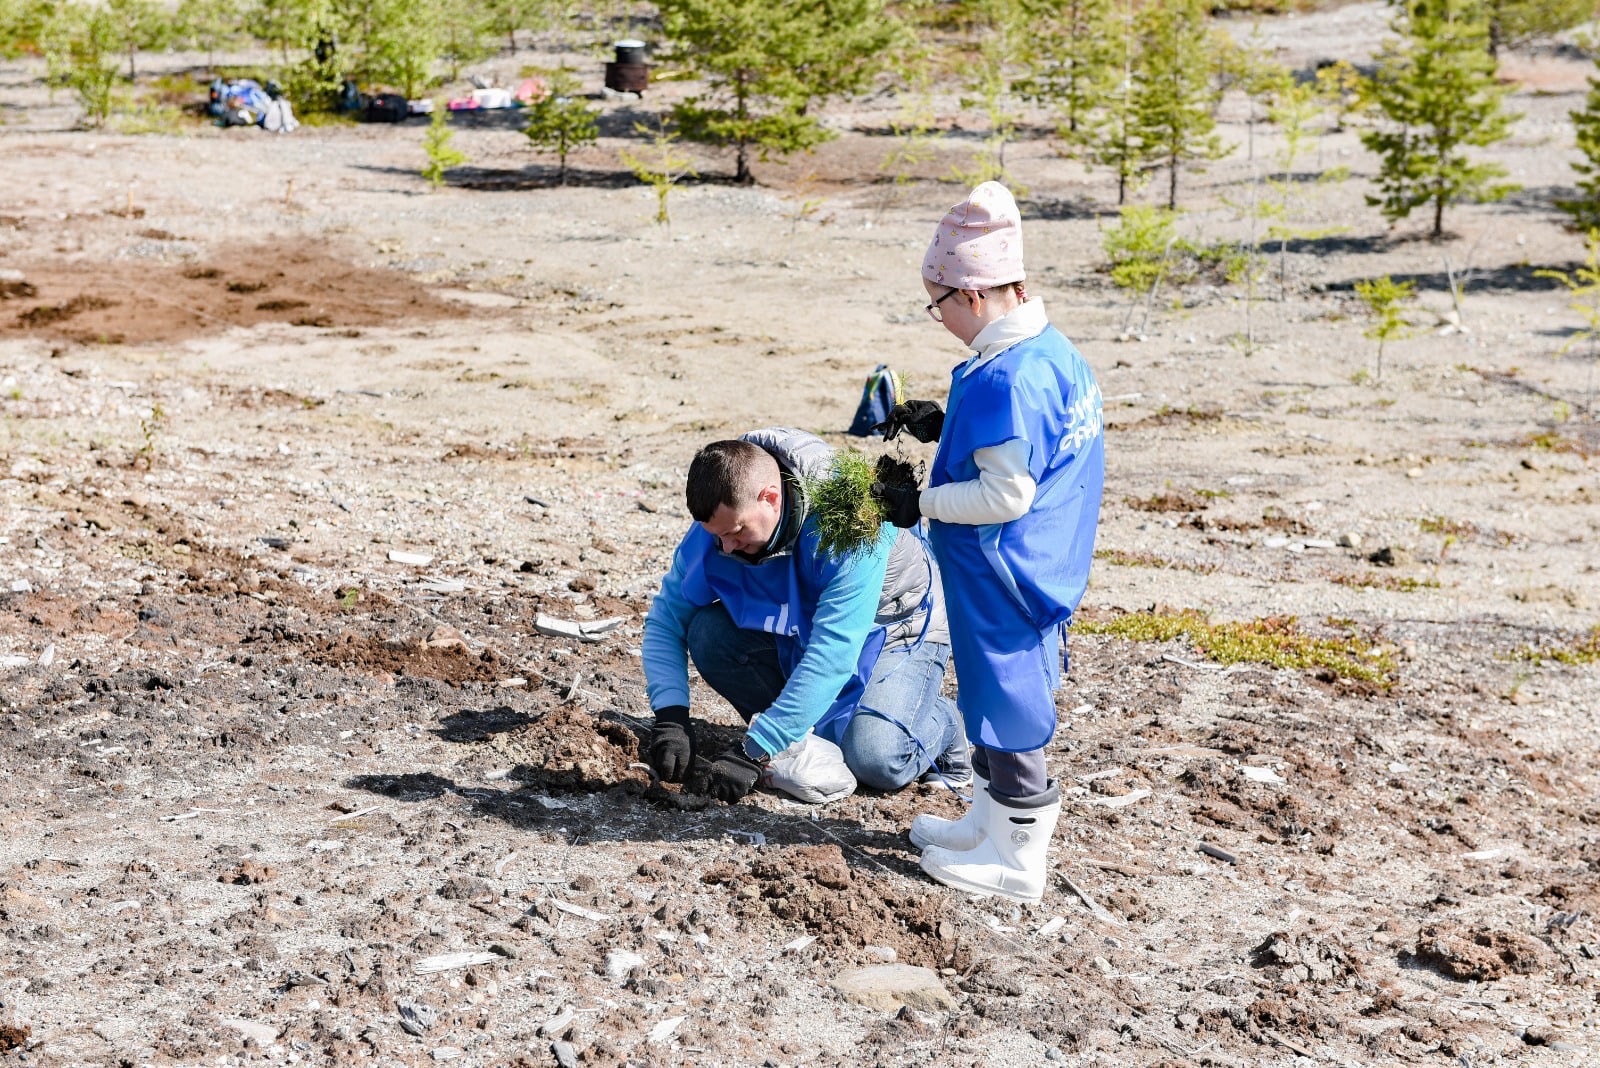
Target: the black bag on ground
(386, 107)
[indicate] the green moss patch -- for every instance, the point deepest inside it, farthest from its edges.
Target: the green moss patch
(1586, 650)
(1274, 640)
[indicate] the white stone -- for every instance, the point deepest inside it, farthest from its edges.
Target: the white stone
(886, 987)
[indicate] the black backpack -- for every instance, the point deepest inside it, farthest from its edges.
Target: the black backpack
(386, 107)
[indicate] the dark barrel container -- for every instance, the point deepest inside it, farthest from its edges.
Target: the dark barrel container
(629, 73)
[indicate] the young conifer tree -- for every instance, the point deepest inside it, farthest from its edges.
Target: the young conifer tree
(403, 38)
(990, 83)
(767, 66)
(1436, 92)
(1110, 136)
(1585, 207)
(80, 43)
(442, 155)
(210, 26)
(1072, 59)
(1517, 22)
(140, 25)
(1174, 98)
(562, 121)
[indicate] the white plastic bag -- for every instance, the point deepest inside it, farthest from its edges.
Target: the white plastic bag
(811, 770)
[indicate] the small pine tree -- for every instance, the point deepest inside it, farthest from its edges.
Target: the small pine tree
(464, 33)
(1293, 110)
(1341, 85)
(1110, 136)
(1174, 98)
(1072, 60)
(562, 121)
(436, 143)
(1585, 207)
(1387, 303)
(1517, 22)
(767, 66)
(210, 26)
(663, 169)
(1583, 286)
(1139, 252)
(402, 40)
(80, 43)
(988, 86)
(913, 128)
(1436, 89)
(139, 24)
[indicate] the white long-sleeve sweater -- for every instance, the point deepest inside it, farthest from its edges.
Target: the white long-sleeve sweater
(1004, 488)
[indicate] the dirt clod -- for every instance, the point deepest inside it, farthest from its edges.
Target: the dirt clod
(1467, 953)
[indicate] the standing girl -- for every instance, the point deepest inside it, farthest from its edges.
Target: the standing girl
(1013, 499)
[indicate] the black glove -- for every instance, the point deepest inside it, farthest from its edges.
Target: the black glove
(901, 504)
(671, 751)
(923, 420)
(732, 775)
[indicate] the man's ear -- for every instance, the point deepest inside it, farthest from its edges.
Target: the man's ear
(771, 495)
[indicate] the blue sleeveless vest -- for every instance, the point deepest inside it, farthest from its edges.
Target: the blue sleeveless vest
(1010, 587)
(778, 595)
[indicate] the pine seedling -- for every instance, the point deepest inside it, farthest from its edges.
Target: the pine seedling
(1139, 249)
(79, 44)
(436, 143)
(561, 121)
(1437, 92)
(1387, 302)
(1341, 86)
(764, 69)
(1583, 286)
(849, 518)
(1174, 99)
(150, 427)
(663, 169)
(1585, 207)
(914, 138)
(803, 204)
(1110, 136)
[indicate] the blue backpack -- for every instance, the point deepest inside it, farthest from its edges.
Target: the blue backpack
(884, 389)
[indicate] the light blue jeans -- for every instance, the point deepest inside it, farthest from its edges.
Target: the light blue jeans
(743, 666)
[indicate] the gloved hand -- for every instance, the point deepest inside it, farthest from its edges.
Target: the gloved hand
(902, 504)
(923, 420)
(671, 749)
(733, 774)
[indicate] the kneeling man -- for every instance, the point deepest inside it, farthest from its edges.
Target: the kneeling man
(851, 650)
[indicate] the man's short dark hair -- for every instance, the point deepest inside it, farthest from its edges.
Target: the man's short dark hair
(723, 473)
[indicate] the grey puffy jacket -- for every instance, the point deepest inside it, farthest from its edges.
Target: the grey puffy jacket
(911, 570)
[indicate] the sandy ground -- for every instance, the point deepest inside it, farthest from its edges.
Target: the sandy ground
(260, 776)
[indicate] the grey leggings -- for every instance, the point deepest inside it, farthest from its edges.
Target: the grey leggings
(1011, 774)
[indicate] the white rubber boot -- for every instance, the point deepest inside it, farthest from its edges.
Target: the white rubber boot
(962, 834)
(1010, 860)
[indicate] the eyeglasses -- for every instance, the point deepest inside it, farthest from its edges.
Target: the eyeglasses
(934, 311)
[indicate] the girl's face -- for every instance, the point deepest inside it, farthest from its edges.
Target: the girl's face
(961, 311)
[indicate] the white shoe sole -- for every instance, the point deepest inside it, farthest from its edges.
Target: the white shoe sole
(956, 878)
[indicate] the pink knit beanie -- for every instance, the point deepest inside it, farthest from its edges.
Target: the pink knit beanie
(978, 245)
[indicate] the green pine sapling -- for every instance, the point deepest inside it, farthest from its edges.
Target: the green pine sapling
(1387, 302)
(1139, 249)
(849, 518)
(1583, 286)
(561, 121)
(661, 170)
(436, 143)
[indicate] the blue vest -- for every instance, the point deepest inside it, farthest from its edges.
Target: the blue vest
(1010, 587)
(778, 595)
